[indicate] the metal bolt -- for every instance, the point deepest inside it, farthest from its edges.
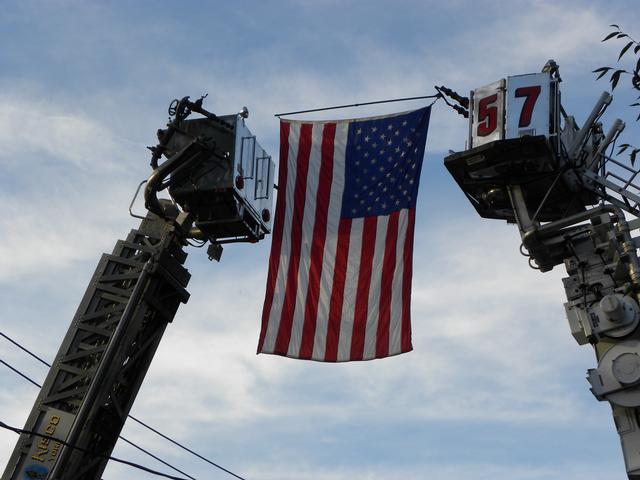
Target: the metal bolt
(612, 307)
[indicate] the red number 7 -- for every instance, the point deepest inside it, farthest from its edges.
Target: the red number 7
(531, 95)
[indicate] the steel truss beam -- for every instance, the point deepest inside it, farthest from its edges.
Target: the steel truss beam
(88, 393)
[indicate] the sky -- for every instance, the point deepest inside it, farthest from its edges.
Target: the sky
(495, 387)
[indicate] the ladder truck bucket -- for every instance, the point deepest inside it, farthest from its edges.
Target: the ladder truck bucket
(217, 171)
(485, 173)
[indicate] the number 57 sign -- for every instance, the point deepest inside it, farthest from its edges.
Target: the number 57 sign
(520, 105)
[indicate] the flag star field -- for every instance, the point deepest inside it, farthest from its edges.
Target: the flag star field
(383, 163)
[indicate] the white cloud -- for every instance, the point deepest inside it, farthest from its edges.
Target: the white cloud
(50, 130)
(67, 181)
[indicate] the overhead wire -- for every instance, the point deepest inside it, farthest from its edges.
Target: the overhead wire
(155, 456)
(76, 447)
(185, 448)
(24, 349)
(137, 420)
(404, 99)
(15, 370)
(155, 472)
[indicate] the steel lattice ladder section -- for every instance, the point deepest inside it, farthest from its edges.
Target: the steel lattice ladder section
(89, 391)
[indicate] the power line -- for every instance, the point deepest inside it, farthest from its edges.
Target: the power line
(24, 349)
(20, 373)
(157, 458)
(67, 444)
(178, 444)
(4, 425)
(185, 448)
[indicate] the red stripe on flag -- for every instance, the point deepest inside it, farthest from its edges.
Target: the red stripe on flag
(317, 242)
(386, 287)
(406, 284)
(299, 194)
(337, 290)
(276, 242)
(364, 284)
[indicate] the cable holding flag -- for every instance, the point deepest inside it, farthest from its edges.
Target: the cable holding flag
(436, 96)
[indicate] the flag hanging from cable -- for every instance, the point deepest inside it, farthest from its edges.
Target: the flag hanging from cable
(339, 280)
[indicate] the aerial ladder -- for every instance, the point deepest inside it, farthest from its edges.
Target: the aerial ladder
(220, 184)
(528, 162)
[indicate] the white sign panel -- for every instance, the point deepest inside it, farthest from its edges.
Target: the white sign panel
(487, 121)
(528, 105)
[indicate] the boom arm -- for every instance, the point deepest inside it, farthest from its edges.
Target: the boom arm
(88, 393)
(221, 181)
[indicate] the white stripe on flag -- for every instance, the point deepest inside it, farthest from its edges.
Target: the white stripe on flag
(283, 268)
(373, 312)
(308, 223)
(395, 327)
(350, 289)
(329, 257)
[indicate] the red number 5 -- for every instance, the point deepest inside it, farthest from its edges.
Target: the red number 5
(531, 95)
(487, 115)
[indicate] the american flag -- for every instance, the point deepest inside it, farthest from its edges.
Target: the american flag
(339, 281)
